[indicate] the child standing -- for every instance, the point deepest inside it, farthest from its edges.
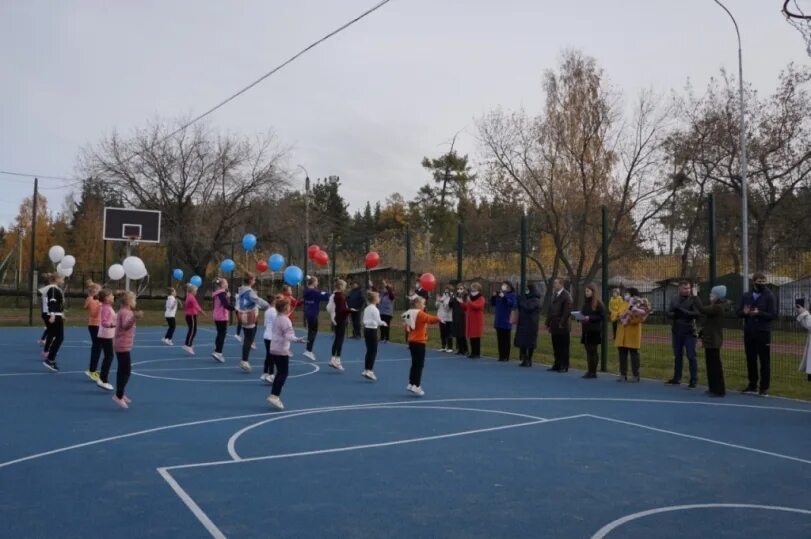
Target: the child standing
(270, 316)
(56, 319)
(312, 306)
(170, 313)
(192, 310)
(249, 304)
(222, 306)
(107, 323)
(124, 337)
(341, 314)
(371, 323)
(416, 322)
(93, 308)
(43, 296)
(281, 337)
(445, 314)
(287, 293)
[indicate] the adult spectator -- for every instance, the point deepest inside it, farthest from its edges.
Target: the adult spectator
(758, 308)
(683, 312)
(559, 325)
(591, 318)
(526, 331)
(356, 302)
(629, 333)
(804, 318)
(459, 323)
(504, 302)
(386, 309)
(712, 336)
(614, 309)
(474, 318)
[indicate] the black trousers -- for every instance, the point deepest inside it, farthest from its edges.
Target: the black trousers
(191, 322)
(46, 319)
(122, 375)
(268, 358)
(249, 334)
(370, 336)
(239, 324)
(757, 345)
(525, 354)
(623, 353)
(503, 340)
(222, 330)
(282, 365)
(57, 336)
(338, 343)
(591, 357)
(170, 331)
(715, 371)
(95, 348)
(461, 345)
(355, 316)
(445, 339)
(560, 348)
(475, 347)
(107, 362)
(384, 330)
(417, 363)
(312, 332)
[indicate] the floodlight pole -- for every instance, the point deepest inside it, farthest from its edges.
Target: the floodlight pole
(742, 172)
(306, 217)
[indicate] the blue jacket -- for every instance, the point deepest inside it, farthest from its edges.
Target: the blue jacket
(312, 301)
(504, 306)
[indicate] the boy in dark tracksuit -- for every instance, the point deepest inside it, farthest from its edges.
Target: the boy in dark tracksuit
(758, 308)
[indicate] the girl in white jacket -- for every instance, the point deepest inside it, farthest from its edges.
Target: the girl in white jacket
(270, 317)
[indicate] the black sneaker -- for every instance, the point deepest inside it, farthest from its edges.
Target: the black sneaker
(749, 390)
(50, 365)
(673, 382)
(691, 385)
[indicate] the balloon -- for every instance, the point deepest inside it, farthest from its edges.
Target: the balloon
(312, 250)
(248, 242)
(321, 258)
(68, 261)
(228, 265)
(134, 268)
(65, 272)
(428, 281)
(177, 274)
(116, 272)
(261, 266)
(293, 275)
(372, 260)
(196, 280)
(276, 262)
(56, 253)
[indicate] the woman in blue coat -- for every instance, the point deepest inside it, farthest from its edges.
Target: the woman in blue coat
(504, 302)
(526, 332)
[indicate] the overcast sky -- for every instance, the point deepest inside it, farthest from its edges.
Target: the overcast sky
(366, 105)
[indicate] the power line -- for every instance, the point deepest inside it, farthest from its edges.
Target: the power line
(40, 176)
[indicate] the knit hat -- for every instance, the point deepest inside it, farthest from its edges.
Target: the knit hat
(720, 291)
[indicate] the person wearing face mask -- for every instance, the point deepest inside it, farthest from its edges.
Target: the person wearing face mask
(504, 302)
(445, 314)
(804, 319)
(459, 323)
(559, 325)
(592, 316)
(474, 313)
(758, 308)
(629, 336)
(614, 306)
(712, 335)
(526, 331)
(683, 312)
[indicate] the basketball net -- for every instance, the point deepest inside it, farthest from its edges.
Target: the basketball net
(800, 20)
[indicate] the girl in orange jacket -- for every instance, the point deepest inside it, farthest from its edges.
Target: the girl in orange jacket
(416, 325)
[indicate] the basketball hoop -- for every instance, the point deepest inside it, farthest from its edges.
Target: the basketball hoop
(800, 19)
(132, 239)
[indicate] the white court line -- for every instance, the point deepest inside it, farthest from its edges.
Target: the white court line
(233, 440)
(192, 505)
(700, 438)
(402, 402)
(316, 368)
(611, 526)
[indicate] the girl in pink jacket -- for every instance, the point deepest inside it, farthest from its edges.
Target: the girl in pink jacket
(124, 337)
(282, 334)
(222, 308)
(107, 323)
(192, 309)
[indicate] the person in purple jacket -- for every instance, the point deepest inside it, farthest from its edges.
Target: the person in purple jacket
(505, 302)
(222, 306)
(312, 306)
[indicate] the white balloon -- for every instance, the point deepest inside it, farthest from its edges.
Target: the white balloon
(56, 253)
(68, 261)
(65, 272)
(116, 272)
(134, 268)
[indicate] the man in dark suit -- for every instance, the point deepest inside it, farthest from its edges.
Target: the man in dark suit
(559, 324)
(758, 308)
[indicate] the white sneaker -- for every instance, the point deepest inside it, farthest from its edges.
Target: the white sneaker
(238, 338)
(105, 385)
(309, 355)
(369, 375)
(417, 390)
(276, 402)
(409, 388)
(253, 346)
(450, 350)
(269, 378)
(169, 342)
(335, 363)
(218, 357)
(440, 349)
(188, 349)
(245, 366)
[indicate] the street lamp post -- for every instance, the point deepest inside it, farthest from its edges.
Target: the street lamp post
(306, 216)
(742, 171)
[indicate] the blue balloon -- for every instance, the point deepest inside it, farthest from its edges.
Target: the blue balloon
(178, 274)
(293, 275)
(276, 262)
(196, 280)
(228, 265)
(248, 242)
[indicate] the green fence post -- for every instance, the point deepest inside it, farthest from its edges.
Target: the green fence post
(604, 287)
(332, 261)
(523, 253)
(712, 247)
(460, 246)
(408, 264)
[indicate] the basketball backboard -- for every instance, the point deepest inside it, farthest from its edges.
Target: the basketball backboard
(129, 224)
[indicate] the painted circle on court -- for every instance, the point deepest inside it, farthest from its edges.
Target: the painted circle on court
(179, 374)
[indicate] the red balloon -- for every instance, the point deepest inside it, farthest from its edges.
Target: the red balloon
(261, 266)
(312, 250)
(428, 281)
(321, 258)
(372, 260)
